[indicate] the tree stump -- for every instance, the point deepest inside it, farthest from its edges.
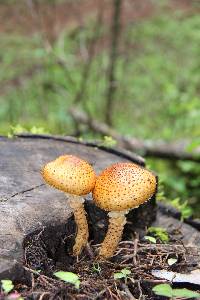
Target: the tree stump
(30, 206)
(35, 219)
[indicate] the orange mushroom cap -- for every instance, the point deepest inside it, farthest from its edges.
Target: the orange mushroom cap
(123, 186)
(70, 174)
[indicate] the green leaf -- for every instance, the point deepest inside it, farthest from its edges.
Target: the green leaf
(167, 291)
(123, 274)
(68, 277)
(194, 144)
(7, 285)
(37, 130)
(185, 210)
(150, 239)
(119, 275)
(159, 233)
(108, 142)
(126, 271)
(171, 261)
(185, 293)
(163, 290)
(96, 268)
(17, 129)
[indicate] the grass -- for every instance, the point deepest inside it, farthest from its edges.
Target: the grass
(157, 87)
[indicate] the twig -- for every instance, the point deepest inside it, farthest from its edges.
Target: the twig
(43, 295)
(45, 279)
(140, 290)
(37, 273)
(128, 292)
(100, 294)
(127, 242)
(89, 251)
(112, 295)
(135, 250)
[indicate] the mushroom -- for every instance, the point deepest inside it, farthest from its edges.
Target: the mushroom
(118, 189)
(75, 177)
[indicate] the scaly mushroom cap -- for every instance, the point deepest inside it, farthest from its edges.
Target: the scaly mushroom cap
(123, 186)
(70, 174)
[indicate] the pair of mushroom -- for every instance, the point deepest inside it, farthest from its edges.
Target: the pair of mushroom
(118, 189)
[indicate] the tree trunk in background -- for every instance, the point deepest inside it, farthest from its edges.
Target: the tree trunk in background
(115, 31)
(90, 55)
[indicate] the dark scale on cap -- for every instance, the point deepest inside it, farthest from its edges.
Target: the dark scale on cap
(70, 174)
(123, 186)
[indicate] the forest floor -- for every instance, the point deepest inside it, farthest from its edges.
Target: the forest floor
(128, 275)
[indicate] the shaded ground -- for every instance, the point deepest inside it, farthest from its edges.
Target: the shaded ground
(97, 278)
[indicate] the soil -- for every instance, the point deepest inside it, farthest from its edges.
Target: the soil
(42, 259)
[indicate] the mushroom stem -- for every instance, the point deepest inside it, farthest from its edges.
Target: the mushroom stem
(117, 221)
(77, 205)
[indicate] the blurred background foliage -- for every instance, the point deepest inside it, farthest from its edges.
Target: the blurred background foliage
(157, 77)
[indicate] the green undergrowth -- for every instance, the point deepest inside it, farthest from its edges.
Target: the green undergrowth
(158, 79)
(178, 185)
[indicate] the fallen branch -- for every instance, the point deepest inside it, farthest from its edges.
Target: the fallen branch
(159, 149)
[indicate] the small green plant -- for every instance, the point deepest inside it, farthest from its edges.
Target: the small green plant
(193, 145)
(108, 142)
(18, 129)
(122, 274)
(159, 233)
(96, 268)
(68, 277)
(7, 285)
(184, 208)
(150, 239)
(166, 290)
(160, 196)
